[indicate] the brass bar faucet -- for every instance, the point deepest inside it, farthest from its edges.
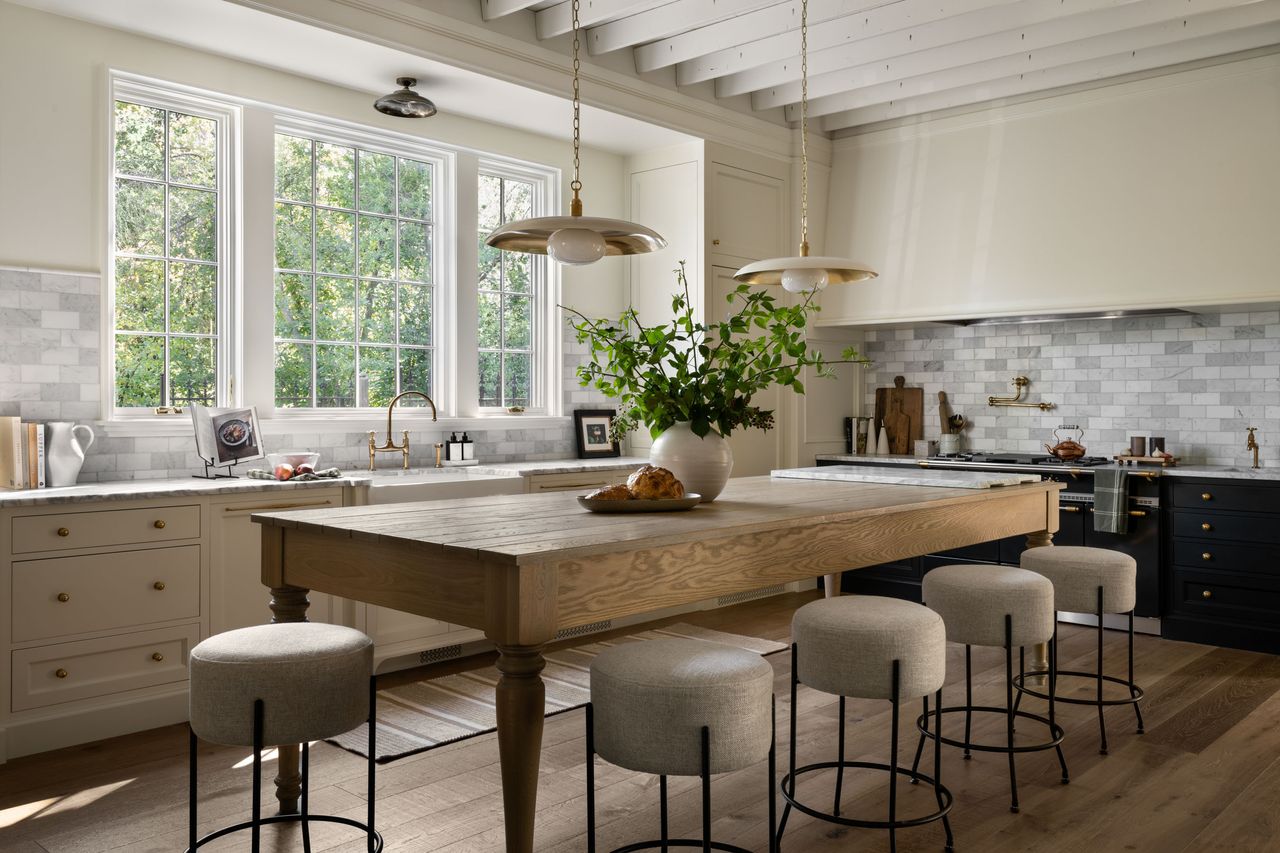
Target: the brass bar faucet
(1252, 444)
(391, 446)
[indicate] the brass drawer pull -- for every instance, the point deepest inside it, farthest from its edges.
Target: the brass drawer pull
(64, 597)
(159, 525)
(158, 586)
(1137, 513)
(266, 507)
(1206, 556)
(1206, 496)
(1206, 594)
(1206, 526)
(157, 657)
(64, 532)
(61, 673)
(1069, 508)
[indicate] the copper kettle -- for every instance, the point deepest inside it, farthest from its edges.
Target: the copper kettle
(1067, 449)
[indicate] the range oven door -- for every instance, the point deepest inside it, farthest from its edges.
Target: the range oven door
(1142, 542)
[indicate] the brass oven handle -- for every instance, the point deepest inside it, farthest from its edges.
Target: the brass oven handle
(1206, 496)
(63, 532)
(1064, 508)
(1207, 594)
(1206, 526)
(157, 657)
(1147, 475)
(61, 673)
(1137, 513)
(159, 524)
(1206, 556)
(158, 586)
(64, 597)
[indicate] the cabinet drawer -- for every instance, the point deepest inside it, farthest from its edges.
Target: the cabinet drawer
(584, 482)
(1226, 596)
(96, 592)
(66, 672)
(32, 533)
(1224, 526)
(1222, 556)
(1229, 497)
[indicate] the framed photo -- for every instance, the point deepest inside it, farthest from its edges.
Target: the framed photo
(227, 436)
(591, 427)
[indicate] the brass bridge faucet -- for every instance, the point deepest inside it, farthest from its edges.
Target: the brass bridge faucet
(1252, 444)
(391, 446)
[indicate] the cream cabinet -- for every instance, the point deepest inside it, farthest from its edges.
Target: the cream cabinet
(746, 216)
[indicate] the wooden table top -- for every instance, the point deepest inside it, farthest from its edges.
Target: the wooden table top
(526, 529)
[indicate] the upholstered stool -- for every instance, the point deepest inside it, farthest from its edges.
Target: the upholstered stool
(868, 648)
(994, 606)
(1097, 581)
(676, 707)
(270, 685)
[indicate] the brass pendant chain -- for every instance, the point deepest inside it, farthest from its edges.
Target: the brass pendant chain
(804, 127)
(575, 208)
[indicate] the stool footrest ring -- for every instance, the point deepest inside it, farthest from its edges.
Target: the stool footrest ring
(291, 818)
(1056, 732)
(1138, 694)
(945, 793)
(679, 842)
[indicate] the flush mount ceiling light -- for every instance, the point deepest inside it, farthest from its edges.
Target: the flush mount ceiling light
(802, 273)
(404, 102)
(575, 239)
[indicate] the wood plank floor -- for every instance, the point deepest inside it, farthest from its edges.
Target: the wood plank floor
(1205, 776)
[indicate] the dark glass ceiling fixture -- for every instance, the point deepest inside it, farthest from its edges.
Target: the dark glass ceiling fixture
(575, 239)
(404, 102)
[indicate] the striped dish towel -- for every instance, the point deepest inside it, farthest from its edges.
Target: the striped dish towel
(1110, 500)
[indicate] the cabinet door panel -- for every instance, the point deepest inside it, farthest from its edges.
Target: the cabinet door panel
(748, 214)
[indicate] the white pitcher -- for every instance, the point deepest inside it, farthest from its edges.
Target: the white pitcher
(64, 454)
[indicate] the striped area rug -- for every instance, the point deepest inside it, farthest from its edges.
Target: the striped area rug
(416, 717)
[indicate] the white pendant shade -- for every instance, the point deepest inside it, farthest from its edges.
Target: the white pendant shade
(804, 273)
(535, 236)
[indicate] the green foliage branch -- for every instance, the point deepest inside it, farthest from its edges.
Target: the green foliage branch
(705, 374)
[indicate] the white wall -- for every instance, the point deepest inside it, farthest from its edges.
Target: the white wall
(1164, 191)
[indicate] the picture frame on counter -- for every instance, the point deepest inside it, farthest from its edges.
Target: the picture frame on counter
(592, 428)
(226, 437)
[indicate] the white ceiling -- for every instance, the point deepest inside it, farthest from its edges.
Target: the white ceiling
(871, 60)
(278, 42)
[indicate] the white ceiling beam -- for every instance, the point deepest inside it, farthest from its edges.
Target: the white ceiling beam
(558, 19)
(493, 9)
(906, 27)
(934, 79)
(1138, 19)
(665, 21)
(1128, 62)
(778, 48)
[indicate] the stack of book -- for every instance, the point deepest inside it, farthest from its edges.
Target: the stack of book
(21, 454)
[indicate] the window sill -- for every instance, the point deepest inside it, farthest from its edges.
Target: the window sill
(180, 425)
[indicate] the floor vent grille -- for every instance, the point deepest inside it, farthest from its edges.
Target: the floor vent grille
(751, 595)
(442, 653)
(583, 630)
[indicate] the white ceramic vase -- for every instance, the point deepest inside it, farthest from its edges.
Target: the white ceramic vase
(64, 454)
(702, 464)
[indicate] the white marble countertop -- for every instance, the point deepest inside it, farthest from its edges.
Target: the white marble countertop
(899, 476)
(1205, 471)
(132, 490)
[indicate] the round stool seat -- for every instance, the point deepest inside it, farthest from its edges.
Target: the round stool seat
(312, 678)
(1076, 574)
(973, 601)
(847, 646)
(652, 698)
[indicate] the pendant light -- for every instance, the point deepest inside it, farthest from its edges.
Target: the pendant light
(802, 273)
(404, 102)
(575, 239)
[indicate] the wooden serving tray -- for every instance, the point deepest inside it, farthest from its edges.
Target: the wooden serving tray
(1125, 459)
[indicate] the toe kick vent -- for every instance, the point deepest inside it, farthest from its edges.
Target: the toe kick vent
(752, 595)
(583, 630)
(442, 653)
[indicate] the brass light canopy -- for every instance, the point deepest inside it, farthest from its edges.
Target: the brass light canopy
(802, 273)
(575, 239)
(404, 102)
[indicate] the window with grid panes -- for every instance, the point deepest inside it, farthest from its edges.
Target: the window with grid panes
(166, 207)
(354, 289)
(508, 288)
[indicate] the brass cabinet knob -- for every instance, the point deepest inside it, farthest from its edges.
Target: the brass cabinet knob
(64, 532)
(159, 525)
(61, 673)
(715, 242)
(158, 585)
(1206, 526)
(1065, 508)
(1206, 496)
(1207, 594)
(1206, 556)
(64, 597)
(157, 657)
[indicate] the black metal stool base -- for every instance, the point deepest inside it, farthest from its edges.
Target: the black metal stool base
(373, 835)
(681, 842)
(1056, 733)
(1136, 692)
(946, 798)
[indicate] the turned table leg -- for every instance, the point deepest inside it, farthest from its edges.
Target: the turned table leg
(289, 604)
(831, 585)
(520, 704)
(1040, 651)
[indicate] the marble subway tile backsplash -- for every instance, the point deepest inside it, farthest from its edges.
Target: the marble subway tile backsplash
(1196, 379)
(50, 355)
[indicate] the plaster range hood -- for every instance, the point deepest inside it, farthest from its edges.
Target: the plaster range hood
(1056, 318)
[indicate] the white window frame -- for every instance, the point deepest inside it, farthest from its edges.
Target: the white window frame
(141, 90)
(544, 370)
(443, 256)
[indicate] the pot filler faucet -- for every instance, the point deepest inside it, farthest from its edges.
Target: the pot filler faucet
(1252, 444)
(391, 446)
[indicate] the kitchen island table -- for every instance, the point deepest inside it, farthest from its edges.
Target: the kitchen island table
(522, 567)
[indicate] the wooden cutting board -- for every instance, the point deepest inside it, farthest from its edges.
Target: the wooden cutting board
(901, 411)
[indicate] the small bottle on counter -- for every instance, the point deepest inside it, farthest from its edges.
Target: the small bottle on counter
(453, 448)
(468, 448)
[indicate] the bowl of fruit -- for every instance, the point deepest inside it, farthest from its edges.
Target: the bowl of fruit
(288, 463)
